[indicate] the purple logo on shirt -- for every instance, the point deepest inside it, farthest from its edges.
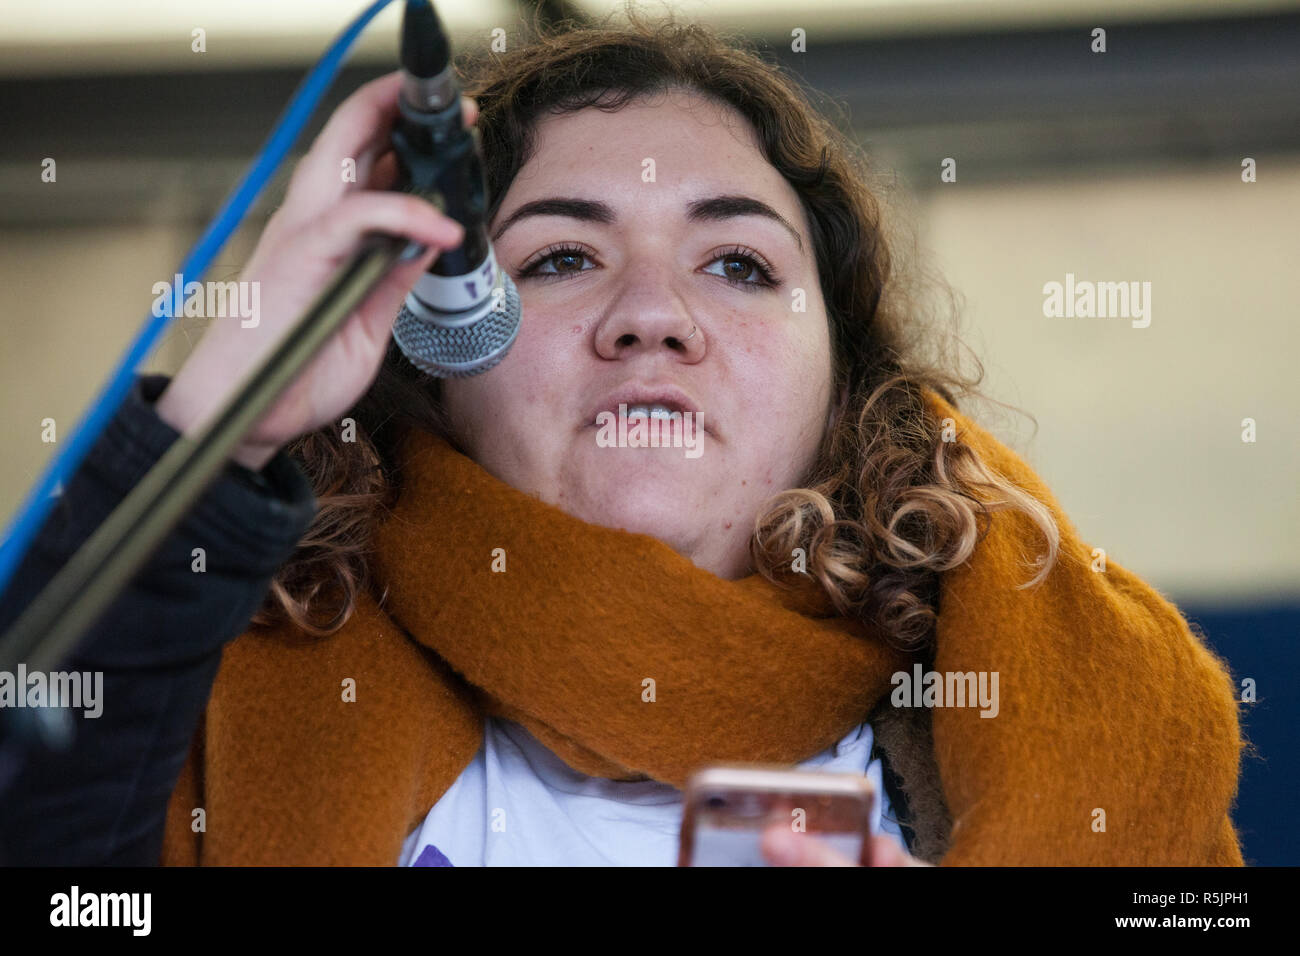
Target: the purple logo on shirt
(432, 856)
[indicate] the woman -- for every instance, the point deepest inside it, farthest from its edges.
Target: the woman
(491, 601)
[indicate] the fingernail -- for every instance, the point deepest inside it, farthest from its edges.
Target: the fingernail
(413, 250)
(884, 852)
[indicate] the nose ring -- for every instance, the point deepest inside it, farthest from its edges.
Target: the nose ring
(694, 329)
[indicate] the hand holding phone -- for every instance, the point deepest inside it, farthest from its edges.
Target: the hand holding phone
(727, 809)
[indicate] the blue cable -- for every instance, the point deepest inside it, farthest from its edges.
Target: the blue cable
(40, 500)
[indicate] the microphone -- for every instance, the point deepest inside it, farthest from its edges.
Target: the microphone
(463, 314)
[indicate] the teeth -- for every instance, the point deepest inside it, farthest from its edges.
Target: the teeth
(649, 411)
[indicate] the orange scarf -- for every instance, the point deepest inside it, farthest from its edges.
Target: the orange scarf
(629, 662)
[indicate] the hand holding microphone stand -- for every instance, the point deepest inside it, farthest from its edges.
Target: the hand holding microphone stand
(463, 324)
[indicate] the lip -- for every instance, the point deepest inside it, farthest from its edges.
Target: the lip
(670, 396)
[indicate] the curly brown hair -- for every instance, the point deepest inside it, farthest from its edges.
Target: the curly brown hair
(888, 505)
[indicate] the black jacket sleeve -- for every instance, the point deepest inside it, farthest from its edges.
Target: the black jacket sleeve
(103, 801)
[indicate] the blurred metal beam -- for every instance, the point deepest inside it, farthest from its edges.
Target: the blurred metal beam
(1017, 104)
(1148, 68)
(1008, 105)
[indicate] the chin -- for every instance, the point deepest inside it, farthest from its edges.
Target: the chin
(657, 501)
(642, 522)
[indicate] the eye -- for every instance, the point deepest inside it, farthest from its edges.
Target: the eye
(746, 268)
(741, 266)
(561, 257)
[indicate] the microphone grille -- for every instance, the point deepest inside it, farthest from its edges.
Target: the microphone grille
(466, 349)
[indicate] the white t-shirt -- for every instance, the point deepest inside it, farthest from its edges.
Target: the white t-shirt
(548, 814)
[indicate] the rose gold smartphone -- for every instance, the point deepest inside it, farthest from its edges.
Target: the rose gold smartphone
(727, 807)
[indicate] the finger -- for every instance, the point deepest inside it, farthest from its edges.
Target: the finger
(350, 123)
(378, 168)
(885, 851)
(783, 847)
(397, 214)
(361, 127)
(356, 131)
(383, 174)
(381, 308)
(359, 131)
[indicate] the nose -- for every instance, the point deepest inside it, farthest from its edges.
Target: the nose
(649, 320)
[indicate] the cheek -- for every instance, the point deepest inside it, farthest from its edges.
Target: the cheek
(544, 354)
(785, 364)
(527, 384)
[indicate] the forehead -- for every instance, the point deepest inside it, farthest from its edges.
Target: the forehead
(694, 145)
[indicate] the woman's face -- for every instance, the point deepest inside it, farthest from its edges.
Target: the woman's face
(624, 232)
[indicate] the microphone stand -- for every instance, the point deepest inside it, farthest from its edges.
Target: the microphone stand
(81, 591)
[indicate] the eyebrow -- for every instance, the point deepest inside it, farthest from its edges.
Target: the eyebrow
(712, 209)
